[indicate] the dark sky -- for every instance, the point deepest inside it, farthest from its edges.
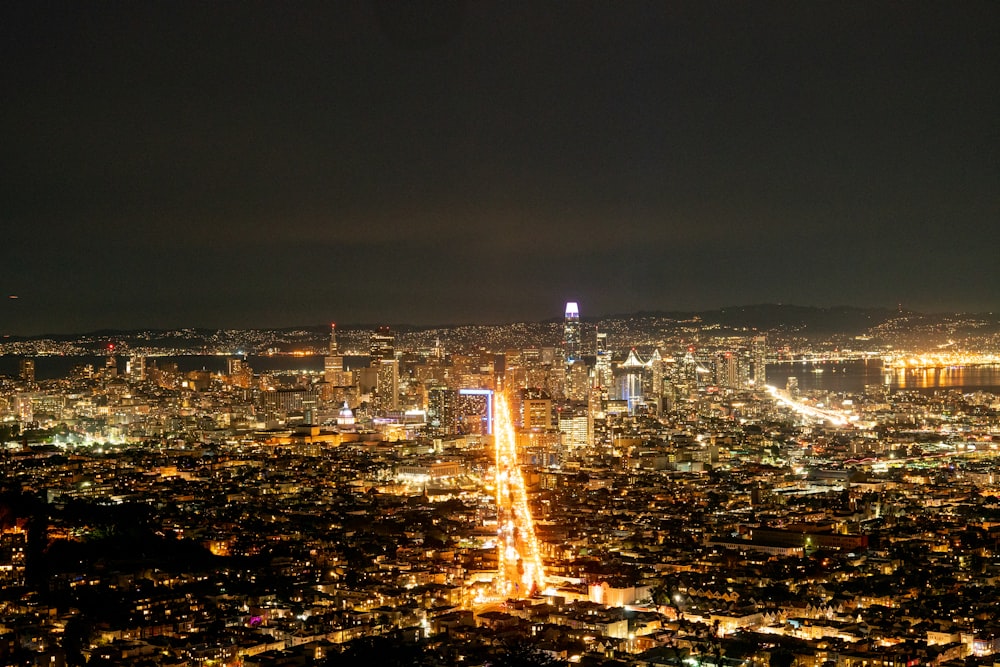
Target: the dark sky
(282, 163)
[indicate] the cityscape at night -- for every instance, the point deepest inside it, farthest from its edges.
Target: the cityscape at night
(624, 491)
(438, 333)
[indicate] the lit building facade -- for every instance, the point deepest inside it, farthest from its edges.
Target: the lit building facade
(571, 333)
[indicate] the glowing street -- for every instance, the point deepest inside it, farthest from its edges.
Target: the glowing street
(520, 562)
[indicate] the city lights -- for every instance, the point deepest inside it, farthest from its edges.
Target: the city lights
(521, 572)
(418, 496)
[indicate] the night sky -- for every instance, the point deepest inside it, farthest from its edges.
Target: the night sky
(268, 164)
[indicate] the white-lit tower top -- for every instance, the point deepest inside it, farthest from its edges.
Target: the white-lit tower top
(571, 332)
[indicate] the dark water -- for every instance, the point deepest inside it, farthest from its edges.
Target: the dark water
(853, 376)
(849, 376)
(54, 367)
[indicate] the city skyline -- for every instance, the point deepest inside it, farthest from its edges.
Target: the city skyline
(260, 166)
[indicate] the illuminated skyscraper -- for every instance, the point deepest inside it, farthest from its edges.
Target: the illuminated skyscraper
(727, 370)
(381, 345)
(111, 365)
(387, 386)
(475, 411)
(28, 371)
(629, 381)
(602, 366)
(660, 370)
(240, 373)
(24, 408)
(571, 333)
(333, 363)
(536, 409)
(577, 381)
(135, 368)
(575, 430)
(759, 350)
(441, 402)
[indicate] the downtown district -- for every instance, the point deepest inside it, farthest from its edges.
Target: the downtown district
(685, 512)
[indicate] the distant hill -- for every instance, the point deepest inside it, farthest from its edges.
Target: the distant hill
(771, 316)
(808, 321)
(838, 319)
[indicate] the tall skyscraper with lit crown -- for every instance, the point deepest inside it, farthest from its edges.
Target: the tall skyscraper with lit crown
(571, 333)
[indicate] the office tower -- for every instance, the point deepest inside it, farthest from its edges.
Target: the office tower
(657, 368)
(759, 351)
(628, 383)
(23, 408)
(577, 381)
(240, 373)
(571, 333)
(602, 365)
(727, 370)
(441, 403)
(366, 380)
(660, 387)
(288, 401)
(381, 345)
(595, 411)
(536, 409)
(28, 371)
(135, 368)
(575, 430)
(474, 411)
(688, 369)
(387, 386)
(333, 370)
(333, 363)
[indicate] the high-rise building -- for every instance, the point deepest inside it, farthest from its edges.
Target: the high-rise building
(381, 345)
(441, 403)
(288, 401)
(727, 371)
(111, 367)
(333, 370)
(575, 430)
(759, 350)
(474, 411)
(602, 365)
(387, 386)
(571, 333)
(366, 380)
(629, 381)
(23, 408)
(333, 363)
(536, 409)
(577, 381)
(240, 373)
(135, 368)
(595, 411)
(28, 371)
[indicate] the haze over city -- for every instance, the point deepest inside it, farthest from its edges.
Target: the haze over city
(223, 165)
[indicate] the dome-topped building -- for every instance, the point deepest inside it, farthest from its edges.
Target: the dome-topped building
(345, 418)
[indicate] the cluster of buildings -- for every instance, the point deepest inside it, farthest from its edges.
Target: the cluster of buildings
(685, 514)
